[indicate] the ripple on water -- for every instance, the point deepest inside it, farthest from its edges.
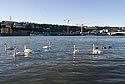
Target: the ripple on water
(56, 66)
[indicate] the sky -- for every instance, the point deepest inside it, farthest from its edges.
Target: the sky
(87, 12)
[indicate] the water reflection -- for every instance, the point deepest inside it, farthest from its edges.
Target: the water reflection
(75, 59)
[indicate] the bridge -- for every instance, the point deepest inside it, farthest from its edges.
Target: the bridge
(116, 33)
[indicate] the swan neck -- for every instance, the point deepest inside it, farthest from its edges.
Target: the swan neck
(5, 47)
(74, 47)
(93, 47)
(24, 46)
(14, 51)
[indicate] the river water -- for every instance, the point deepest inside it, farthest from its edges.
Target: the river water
(58, 65)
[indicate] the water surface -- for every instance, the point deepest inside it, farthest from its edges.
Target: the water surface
(59, 66)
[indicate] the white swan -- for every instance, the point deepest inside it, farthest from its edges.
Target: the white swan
(26, 50)
(47, 46)
(95, 51)
(75, 50)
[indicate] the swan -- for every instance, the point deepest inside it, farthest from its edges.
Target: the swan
(8, 48)
(19, 54)
(75, 50)
(47, 46)
(26, 50)
(95, 51)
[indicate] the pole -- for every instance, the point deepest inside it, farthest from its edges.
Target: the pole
(10, 25)
(68, 27)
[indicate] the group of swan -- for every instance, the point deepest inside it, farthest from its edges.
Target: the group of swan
(27, 51)
(95, 51)
(21, 54)
(15, 54)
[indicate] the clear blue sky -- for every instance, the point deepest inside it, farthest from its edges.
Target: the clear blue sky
(91, 12)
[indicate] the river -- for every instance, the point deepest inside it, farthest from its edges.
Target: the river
(58, 65)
